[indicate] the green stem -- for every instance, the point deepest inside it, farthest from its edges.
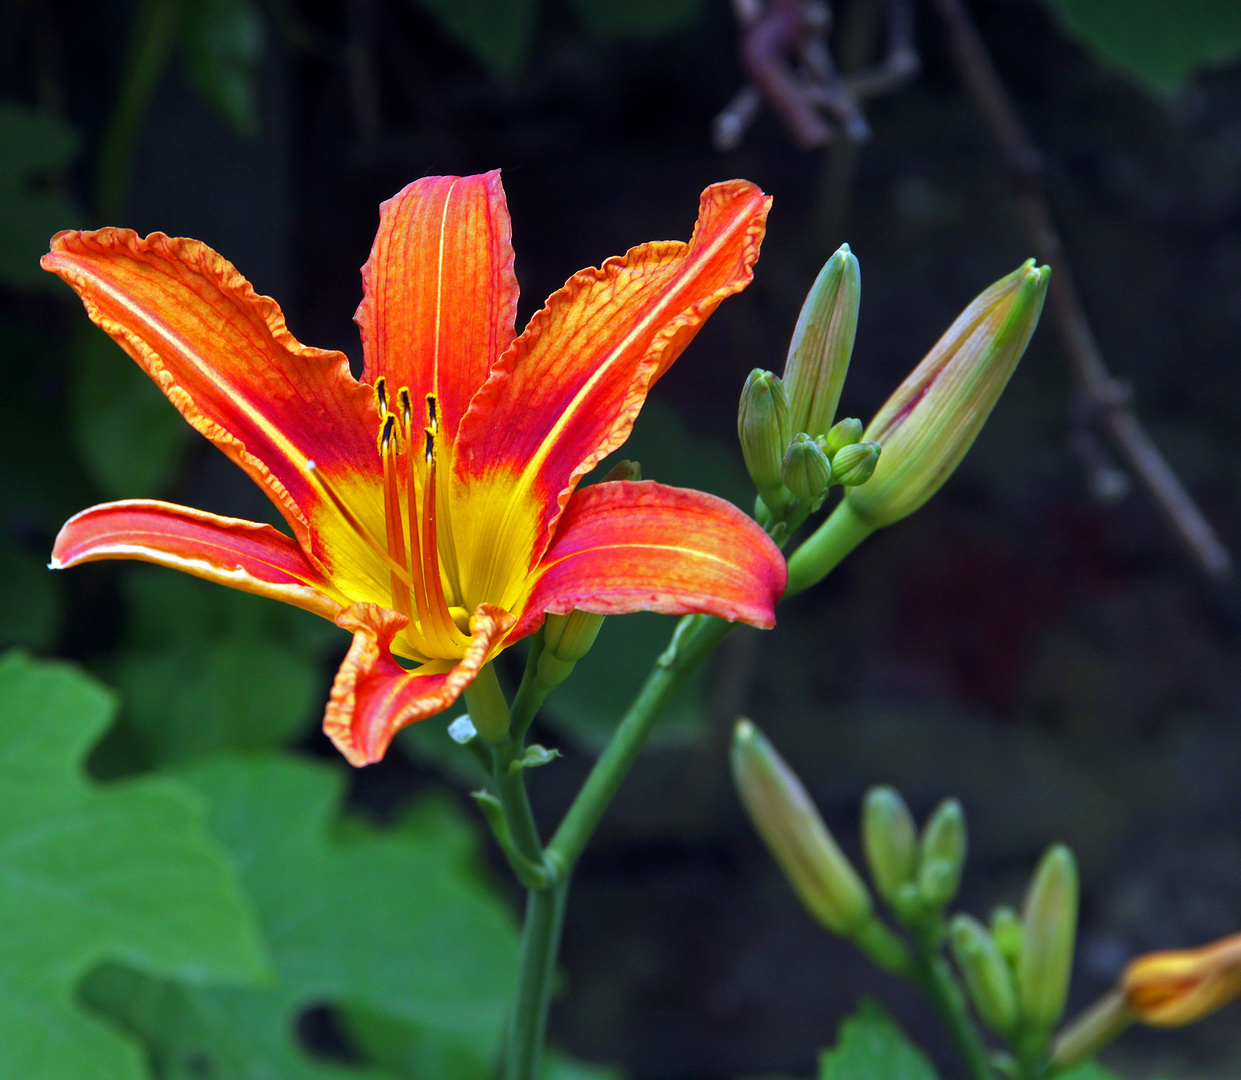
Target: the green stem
(825, 548)
(540, 944)
(936, 980)
(531, 692)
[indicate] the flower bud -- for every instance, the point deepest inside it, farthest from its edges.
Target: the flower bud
(823, 343)
(763, 427)
(890, 841)
(788, 822)
(942, 854)
(843, 434)
(1007, 933)
(623, 470)
(855, 464)
(1049, 923)
(987, 974)
(566, 639)
(1168, 989)
(932, 419)
(806, 471)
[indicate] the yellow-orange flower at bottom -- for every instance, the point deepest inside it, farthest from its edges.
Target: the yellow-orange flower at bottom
(1169, 989)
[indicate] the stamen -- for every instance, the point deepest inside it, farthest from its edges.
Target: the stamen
(411, 502)
(440, 623)
(393, 517)
(381, 395)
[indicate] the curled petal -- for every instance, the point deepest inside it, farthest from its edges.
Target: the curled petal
(373, 697)
(241, 554)
(647, 547)
(440, 292)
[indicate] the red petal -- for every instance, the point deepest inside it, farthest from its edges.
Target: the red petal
(567, 392)
(373, 697)
(646, 547)
(440, 295)
(241, 554)
(225, 358)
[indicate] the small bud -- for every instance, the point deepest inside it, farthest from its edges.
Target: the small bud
(942, 854)
(1049, 923)
(806, 471)
(823, 343)
(566, 639)
(623, 470)
(763, 428)
(932, 419)
(1007, 933)
(987, 974)
(843, 434)
(855, 464)
(1168, 989)
(890, 841)
(788, 822)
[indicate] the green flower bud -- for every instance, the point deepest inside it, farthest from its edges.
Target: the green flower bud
(1049, 922)
(566, 639)
(843, 434)
(788, 822)
(1007, 933)
(806, 471)
(942, 854)
(823, 343)
(987, 974)
(763, 427)
(853, 465)
(890, 841)
(623, 470)
(932, 419)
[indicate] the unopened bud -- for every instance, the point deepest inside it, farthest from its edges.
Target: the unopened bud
(566, 639)
(843, 434)
(890, 841)
(623, 470)
(763, 428)
(942, 854)
(806, 471)
(823, 343)
(788, 822)
(1049, 922)
(1007, 933)
(855, 464)
(987, 974)
(1168, 989)
(932, 419)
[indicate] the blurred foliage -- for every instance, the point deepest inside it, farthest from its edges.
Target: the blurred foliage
(224, 41)
(873, 1047)
(1159, 43)
(398, 922)
(121, 871)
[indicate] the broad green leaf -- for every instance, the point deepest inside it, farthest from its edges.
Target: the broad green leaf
(93, 872)
(223, 41)
(637, 18)
(397, 923)
(496, 32)
(130, 439)
(33, 148)
(1160, 43)
(1087, 1070)
(872, 1046)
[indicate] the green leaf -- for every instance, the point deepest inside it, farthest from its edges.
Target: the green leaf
(872, 1046)
(33, 148)
(637, 18)
(89, 872)
(496, 32)
(223, 49)
(130, 439)
(397, 923)
(1159, 43)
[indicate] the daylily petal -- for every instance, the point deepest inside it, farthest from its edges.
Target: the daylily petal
(647, 547)
(567, 392)
(373, 697)
(440, 295)
(224, 357)
(241, 554)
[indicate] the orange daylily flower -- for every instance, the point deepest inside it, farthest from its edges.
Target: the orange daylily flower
(1168, 989)
(432, 502)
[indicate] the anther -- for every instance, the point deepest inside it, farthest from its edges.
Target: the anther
(381, 394)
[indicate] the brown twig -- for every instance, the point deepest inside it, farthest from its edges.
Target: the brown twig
(1108, 399)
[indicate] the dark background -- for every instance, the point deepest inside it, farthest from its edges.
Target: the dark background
(1054, 662)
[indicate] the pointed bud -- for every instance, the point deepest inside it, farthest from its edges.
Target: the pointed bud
(843, 434)
(890, 841)
(806, 471)
(823, 343)
(788, 822)
(1049, 922)
(1168, 989)
(932, 419)
(566, 639)
(763, 428)
(1007, 933)
(942, 854)
(987, 974)
(855, 464)
(623, 470)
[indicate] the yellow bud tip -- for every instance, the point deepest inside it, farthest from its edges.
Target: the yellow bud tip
(1170, 989)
